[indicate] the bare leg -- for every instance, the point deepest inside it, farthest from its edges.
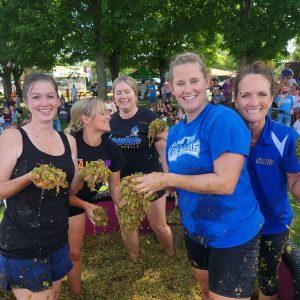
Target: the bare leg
(202, 278)
(264, 297)
(50, 294)
(76, 234)
(130, 239)
(157, 221)
(214, 296)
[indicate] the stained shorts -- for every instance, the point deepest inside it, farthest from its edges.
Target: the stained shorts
(232, 271)
(35, 274)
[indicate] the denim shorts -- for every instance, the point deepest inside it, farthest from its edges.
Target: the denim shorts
(232, 271)
(35, 274)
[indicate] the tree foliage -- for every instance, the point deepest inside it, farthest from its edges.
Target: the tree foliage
(30, 37)
(257, 29)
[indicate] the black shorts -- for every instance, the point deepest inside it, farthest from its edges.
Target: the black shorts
(232, 271)
(270, 252)
(158, 194)
(75, 211)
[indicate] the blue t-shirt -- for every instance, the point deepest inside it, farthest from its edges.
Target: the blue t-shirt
(152, 91)
(218, 221)
(272, 157)
(286, 104)
(286, 73)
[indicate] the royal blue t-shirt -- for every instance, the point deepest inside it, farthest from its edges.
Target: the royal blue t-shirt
(217, 221)
(272, 157)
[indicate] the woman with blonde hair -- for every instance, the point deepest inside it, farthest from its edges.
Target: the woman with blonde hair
(129, 129)
(89, 125)
(206, 155)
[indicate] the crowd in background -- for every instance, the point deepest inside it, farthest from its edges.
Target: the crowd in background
(285, 108)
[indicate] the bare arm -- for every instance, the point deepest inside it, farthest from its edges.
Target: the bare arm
(9, 156)
(160, 146)
(222, 181)
(77, 182)
(294, 184)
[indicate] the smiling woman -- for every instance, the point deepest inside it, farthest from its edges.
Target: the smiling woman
(206, 159)
(273, 167)
(34, 228)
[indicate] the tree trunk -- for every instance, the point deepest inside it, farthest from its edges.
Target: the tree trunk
(99, 55)
(6, 79)
(114, 64)
(163, 67)
(243, 60)
(17, 73)
(101, 76)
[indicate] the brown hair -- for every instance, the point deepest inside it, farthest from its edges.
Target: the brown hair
(259, 68)
(34, 77)
(185, 58)
(127, 79)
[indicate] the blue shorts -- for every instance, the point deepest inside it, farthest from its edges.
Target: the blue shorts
(35, 274)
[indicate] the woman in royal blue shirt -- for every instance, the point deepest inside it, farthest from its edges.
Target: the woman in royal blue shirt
(273, 168)
(206, 158)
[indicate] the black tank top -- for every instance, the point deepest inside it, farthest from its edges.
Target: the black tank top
(35, 222)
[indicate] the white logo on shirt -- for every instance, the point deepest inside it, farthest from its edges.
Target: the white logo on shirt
(279, 145)
(188, 145)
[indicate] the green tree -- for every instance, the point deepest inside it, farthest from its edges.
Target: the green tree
(295, 56)
(30, 38)
(257, 29)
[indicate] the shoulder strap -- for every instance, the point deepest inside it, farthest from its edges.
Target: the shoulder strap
(66, 143)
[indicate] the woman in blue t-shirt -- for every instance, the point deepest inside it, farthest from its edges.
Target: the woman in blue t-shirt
(206, 158)
(273, 168)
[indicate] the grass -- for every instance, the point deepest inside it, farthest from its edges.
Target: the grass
(108, 274)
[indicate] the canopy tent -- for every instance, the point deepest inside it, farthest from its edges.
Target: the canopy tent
(222, 74)
(143, 73)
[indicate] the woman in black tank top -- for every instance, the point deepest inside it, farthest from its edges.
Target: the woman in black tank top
(34, 229)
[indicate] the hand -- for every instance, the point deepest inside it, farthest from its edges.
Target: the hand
(121, 203)
(151, 183)
(291, 112)
(89, 209)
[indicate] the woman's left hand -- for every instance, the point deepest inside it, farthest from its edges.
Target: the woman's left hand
(151, 183)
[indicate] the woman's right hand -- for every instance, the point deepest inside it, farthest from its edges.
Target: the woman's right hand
(89, 210)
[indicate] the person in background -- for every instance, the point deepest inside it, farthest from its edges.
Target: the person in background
(296, 125)
(34, 230)
(273, 167)
(129, 130)
(57, 123)
(89, 125)
(285, 103)
(215, 86)
(7, 116)
(74, 93)
(206, 154)
(286, 72)
(15, 116)
(227, 91)
(152, 95)
(218, 97)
